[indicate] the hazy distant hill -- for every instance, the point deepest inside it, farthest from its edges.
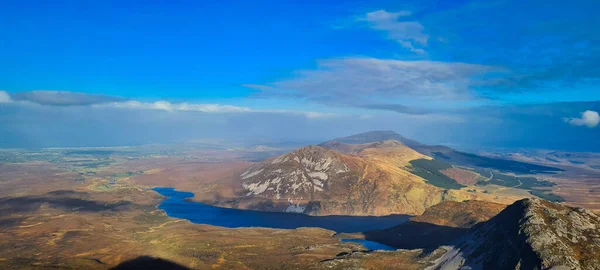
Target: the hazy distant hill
(443, 153)
(373, 136)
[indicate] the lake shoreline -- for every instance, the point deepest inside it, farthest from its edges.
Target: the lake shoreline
(177, 205)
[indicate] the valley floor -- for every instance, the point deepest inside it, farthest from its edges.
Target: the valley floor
(49, 221)
(82, 213)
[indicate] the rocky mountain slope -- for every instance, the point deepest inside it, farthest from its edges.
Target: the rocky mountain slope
(529, 234)
(358, 176)
(371, 180)
(299, 176)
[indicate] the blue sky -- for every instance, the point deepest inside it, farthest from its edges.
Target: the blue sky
(430, 64)
(192, 50)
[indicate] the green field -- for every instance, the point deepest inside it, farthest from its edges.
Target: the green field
(430, 171)
(506, 180)
(527, 183)
(127, 174)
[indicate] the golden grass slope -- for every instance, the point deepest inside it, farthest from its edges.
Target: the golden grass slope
(110, 227)
(405, 192)
(377, 182)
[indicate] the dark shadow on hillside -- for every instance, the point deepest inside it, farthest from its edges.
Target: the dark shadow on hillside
(416, 235)
(9, 222)
(63, 192)
(66, 200)
(147, 262)
(471, 160)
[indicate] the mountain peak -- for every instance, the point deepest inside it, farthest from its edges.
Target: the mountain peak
(366, 179)
(301, 174)
(530, 234)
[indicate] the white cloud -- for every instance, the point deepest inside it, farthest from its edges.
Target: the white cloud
(168, 106)
(360, 81)
(588, 118)
(4, 97)
(63, 98)
(74, 99)
(318, 115)
(258, 87)
(409, 34)
(206, 108)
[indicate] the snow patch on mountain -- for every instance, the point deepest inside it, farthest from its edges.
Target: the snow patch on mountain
(301, 173)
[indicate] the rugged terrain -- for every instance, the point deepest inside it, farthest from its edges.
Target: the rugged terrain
(78, 226)
(92, 209)
(356, 176)
(529, 234)
(375, 180)
(439, 225)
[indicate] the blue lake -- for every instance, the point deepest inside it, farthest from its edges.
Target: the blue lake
(176, 206)
(369, 244)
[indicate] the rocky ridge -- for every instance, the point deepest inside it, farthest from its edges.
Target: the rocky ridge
(297, 176)
(529, 234)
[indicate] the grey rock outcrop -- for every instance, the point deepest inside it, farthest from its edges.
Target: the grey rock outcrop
(529, 234)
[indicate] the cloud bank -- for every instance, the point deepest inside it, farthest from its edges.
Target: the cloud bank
(163, 105)
(62, 98)
(383, 83)
(107, 125)
(168, 106)
(24, 124)
(4, 97)
(76, 99)
(588, 118)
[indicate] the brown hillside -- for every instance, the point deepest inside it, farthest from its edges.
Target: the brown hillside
(319, 181)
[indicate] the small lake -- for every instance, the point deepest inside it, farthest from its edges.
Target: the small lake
(176, 206)
(371, 245)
